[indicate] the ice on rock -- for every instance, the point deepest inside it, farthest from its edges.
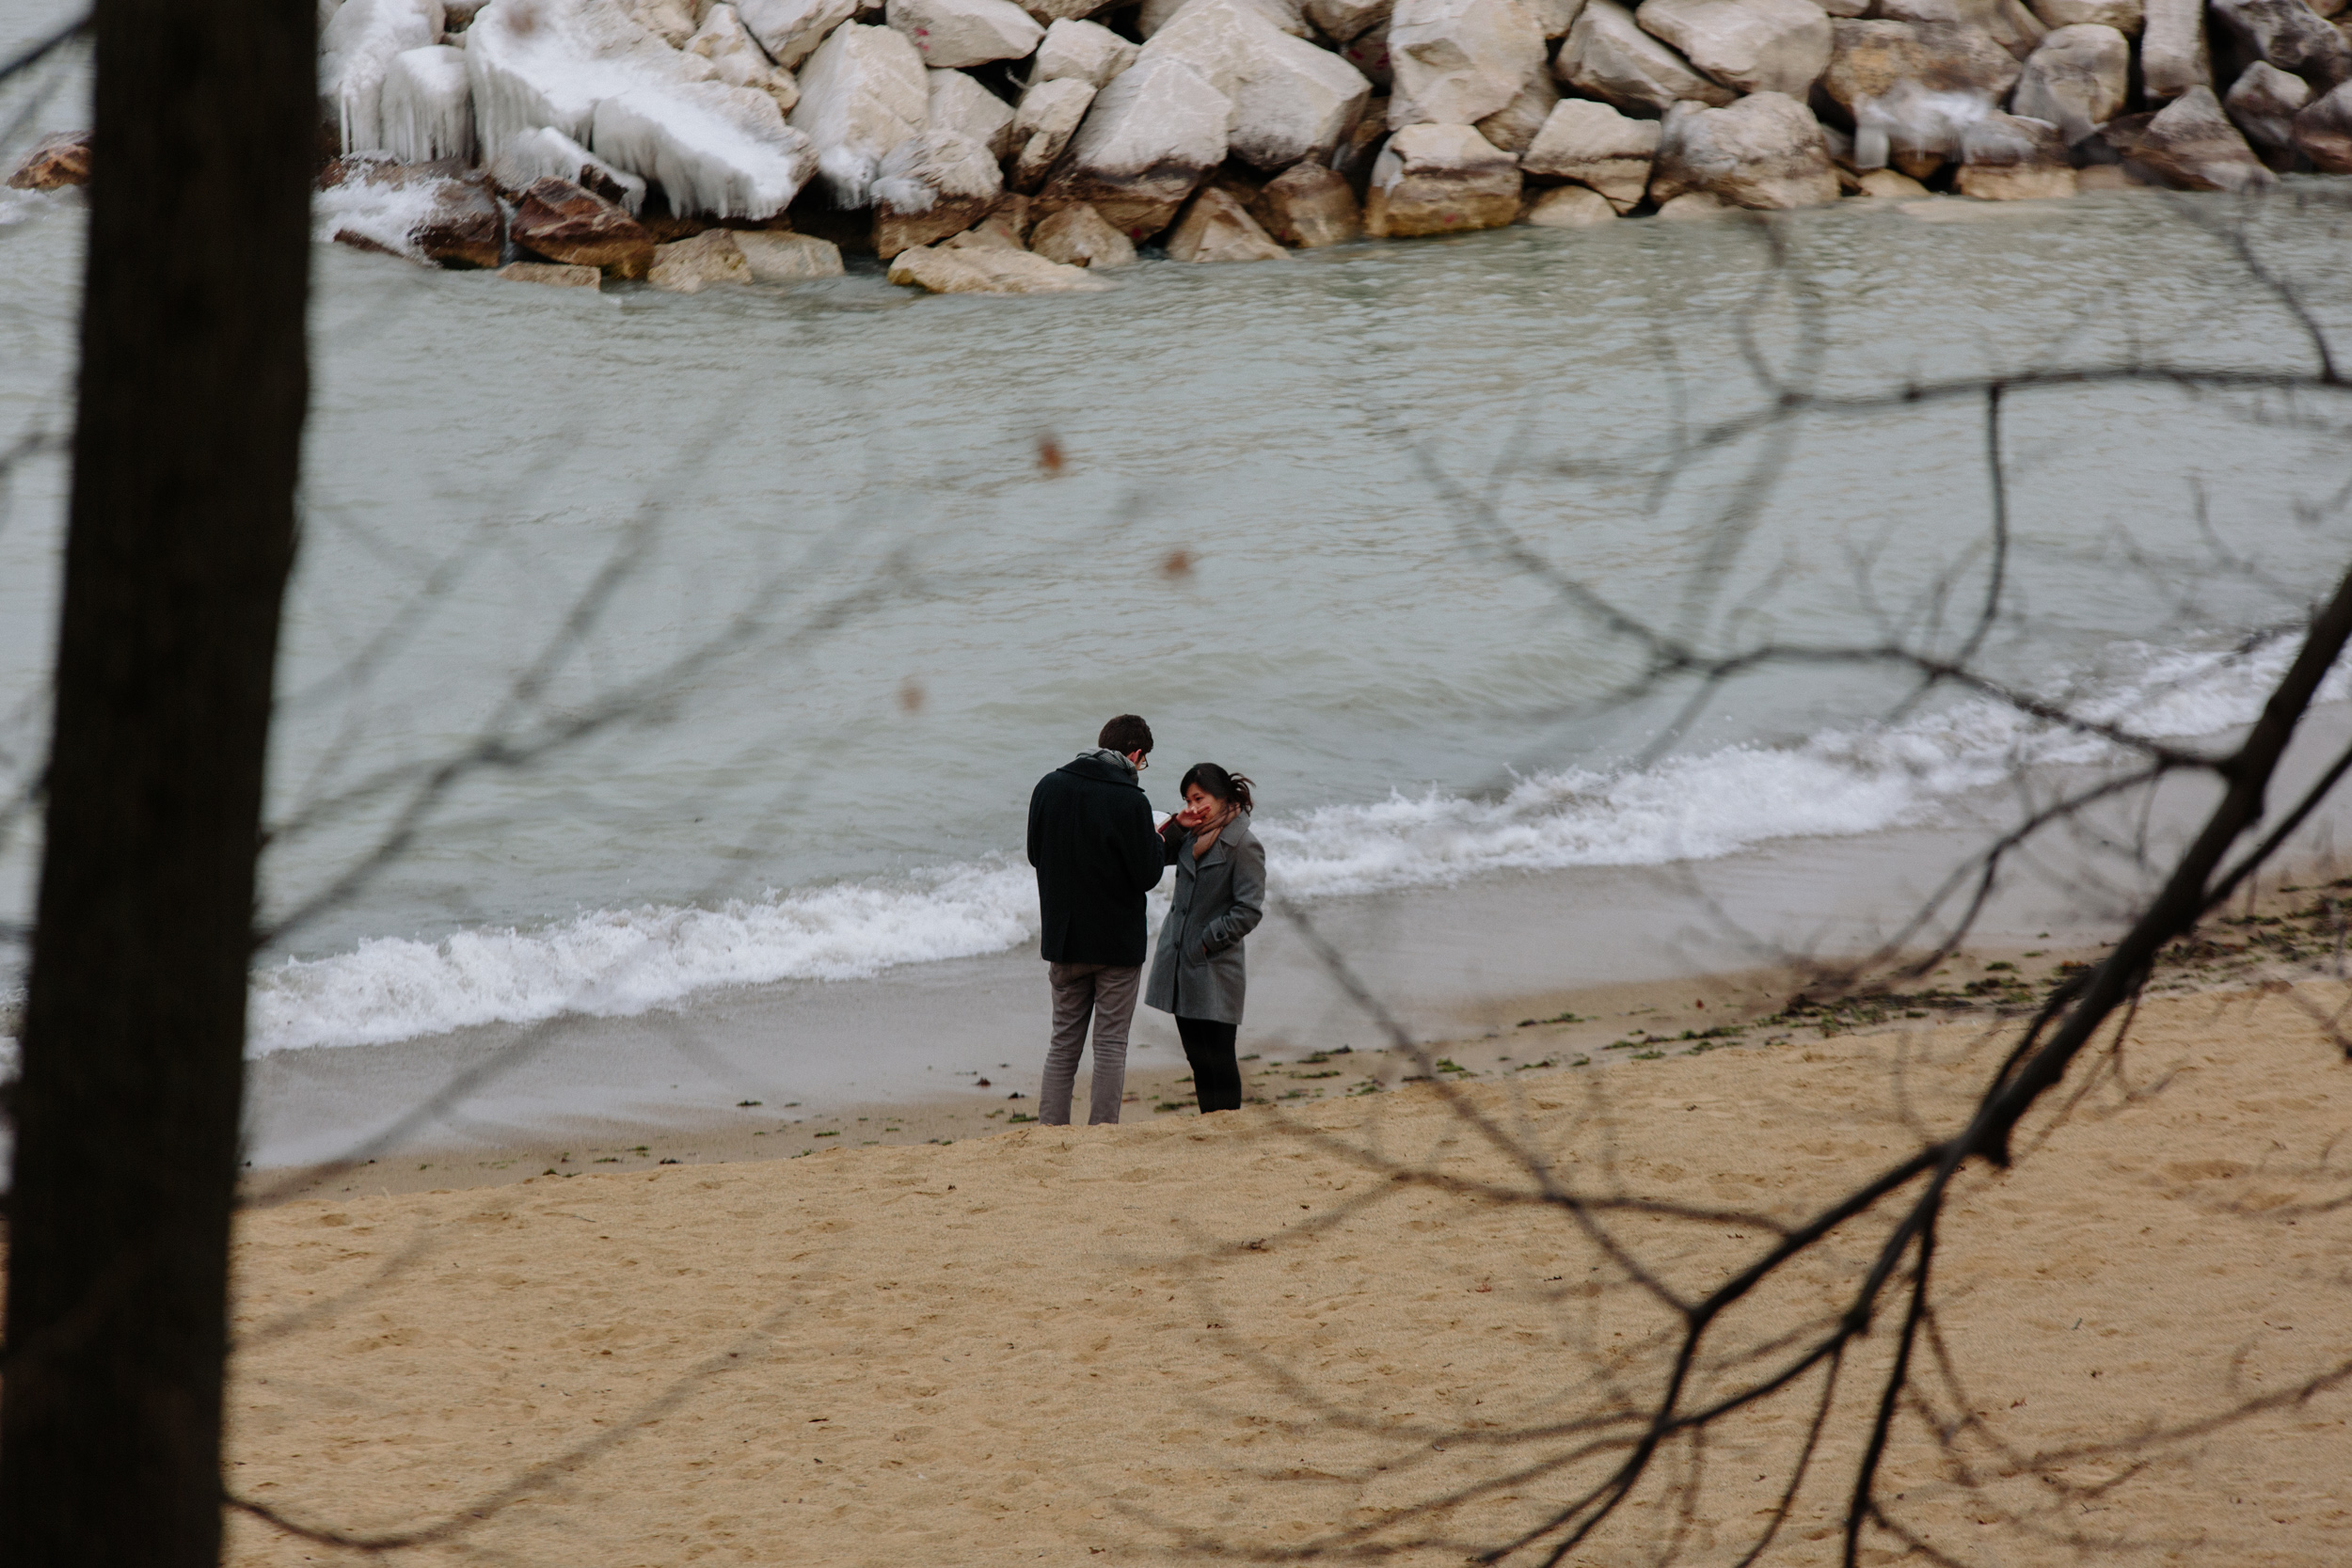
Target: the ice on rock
(862, 93)
(427, 107)
(957, 103)
(548, 152)
(356, 48)
(587, 69)
(711, 148)
(728, 45)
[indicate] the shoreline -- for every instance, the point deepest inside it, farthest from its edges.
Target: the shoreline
(1073, 1345)
(1559, 1029)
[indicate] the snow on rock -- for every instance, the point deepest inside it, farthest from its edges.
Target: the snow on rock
(960, 104)
(1049, 115)
(1151, 137)
(710, 147)
(1457, 61)
(550, 62)
(862, 93)
(547, 152)
(791, 30)
(740, 62)
(1087, 51)
(930, 185)
(952, 33)
(1290, 99)
(590, 70)
(427, 106)
(356, 48)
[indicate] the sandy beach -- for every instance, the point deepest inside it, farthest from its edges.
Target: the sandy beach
(1255, 1335)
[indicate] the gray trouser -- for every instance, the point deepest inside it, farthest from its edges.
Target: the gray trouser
(1108, 993)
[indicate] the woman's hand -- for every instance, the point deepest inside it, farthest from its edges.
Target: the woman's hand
(1193, 817)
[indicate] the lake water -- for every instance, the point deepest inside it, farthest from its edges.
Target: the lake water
(808, 611)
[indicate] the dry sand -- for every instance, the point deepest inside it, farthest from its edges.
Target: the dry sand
(1069, 1346)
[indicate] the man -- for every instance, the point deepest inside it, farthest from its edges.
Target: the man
(1096, 854)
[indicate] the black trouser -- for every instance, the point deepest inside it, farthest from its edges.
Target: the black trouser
(1216, 1076)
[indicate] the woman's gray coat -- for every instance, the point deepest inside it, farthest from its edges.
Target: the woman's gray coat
(1219, 899)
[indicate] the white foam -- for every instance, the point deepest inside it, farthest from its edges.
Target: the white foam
(1698, 807)
(388, 214)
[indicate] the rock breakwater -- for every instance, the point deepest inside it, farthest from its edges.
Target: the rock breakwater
(996, 145)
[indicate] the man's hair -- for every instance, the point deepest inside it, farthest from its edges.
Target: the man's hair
(1125, 735)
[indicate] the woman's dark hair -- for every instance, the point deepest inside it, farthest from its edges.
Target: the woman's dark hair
(1216, 781)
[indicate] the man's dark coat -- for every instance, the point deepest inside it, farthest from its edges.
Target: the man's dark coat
(1096, 854)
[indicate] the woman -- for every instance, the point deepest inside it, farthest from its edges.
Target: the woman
(1199, 972)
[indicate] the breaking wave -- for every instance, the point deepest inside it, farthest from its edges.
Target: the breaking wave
(1689, 807)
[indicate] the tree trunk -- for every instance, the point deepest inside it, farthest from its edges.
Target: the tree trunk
(187, 449)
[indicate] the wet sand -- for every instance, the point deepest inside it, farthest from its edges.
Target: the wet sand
(1244, 1334)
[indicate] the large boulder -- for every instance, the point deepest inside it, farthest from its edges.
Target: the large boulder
(1911, 89)
(1609, 57)
(2172, 53)
(1290, 99)
(2262, 103)
(959, 103)
(1078, 237)
(689, 265)
(1084, 51)
(1283, 16)
(1307, 205)
(1457, 61)
(1151, 137)
(1513, 127)
(1871, 59)
(1049, 115)
(2077, 79)
(791, 30)
(591, 72)
(985, 270)
(1555, 17)
(54, 163)
(426, 106)
(930, 185)
(1568, 207)
(2323, 131)
(2192, 146)
(1765, 151)
(1216, 226)
(737, 57)
(863, 92)
(546, 152)
(464, 226)
(1440, 180)
(2014, 158)
(565, 222)
(954, 34)
(786, 258)
(356, 48)
(2007, 23)
(1595, 146)
(2289, 34)
(1750, 45)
